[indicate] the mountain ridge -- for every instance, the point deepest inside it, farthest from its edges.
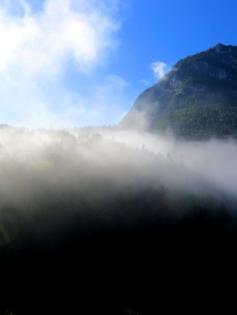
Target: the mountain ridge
(197, 98)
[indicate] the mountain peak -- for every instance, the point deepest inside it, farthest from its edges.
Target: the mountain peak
(223, 46)
(220, 46)
(198, 97)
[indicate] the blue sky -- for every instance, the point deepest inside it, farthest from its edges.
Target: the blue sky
(168, 30)
(83, 62)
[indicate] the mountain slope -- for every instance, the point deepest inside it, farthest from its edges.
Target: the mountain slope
(197, 98)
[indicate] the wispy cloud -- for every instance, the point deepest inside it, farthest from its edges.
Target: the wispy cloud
(159, 69)
(102, 104)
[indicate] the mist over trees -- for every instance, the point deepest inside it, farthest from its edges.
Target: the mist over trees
(103, 209)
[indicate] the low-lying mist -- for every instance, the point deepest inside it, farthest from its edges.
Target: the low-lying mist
(111, 177)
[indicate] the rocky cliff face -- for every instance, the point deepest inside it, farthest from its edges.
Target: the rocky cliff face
(197, 98)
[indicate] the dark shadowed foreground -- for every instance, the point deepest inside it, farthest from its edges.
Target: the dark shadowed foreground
(113, 223)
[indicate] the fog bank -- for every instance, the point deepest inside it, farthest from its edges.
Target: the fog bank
(77, 158)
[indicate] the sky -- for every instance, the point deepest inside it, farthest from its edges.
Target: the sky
(75, 63)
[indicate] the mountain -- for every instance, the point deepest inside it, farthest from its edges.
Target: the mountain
(197, 98)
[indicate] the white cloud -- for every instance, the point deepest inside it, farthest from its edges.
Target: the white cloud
(36, 48)
(41, 42)
(159, 69)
